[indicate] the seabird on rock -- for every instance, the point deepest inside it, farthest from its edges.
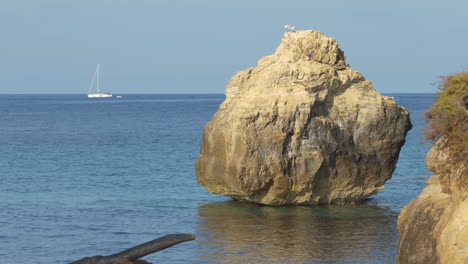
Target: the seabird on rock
(290, 27)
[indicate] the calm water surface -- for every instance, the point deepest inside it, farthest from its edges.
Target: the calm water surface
(82, 177)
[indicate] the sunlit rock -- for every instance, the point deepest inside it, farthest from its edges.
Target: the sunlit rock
(302, 127)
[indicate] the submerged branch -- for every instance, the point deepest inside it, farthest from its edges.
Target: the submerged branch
(132, 255)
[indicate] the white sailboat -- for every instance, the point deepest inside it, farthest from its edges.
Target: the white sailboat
(98, 93)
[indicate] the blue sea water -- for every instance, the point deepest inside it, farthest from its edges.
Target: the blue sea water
(82, 177)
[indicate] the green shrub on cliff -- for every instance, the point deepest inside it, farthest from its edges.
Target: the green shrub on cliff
(448, 116)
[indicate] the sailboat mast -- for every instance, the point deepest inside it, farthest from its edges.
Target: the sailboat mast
(92, 83)
(97, 70)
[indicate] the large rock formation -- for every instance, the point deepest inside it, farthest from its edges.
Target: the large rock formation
(302, 128)
(433, 228)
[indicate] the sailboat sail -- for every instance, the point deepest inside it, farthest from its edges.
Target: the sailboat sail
(98, 93)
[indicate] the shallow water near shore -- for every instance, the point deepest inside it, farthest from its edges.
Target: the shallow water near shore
(82, 177)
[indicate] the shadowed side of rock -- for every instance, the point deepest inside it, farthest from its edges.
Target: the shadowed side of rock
(302, 128)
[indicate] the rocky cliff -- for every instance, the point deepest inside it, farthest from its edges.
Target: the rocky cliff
(301, 127)
(433, 228)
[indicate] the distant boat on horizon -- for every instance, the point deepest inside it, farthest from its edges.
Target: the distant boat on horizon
(98, 93)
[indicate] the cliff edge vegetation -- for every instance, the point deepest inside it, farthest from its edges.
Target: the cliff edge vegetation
(448, 117)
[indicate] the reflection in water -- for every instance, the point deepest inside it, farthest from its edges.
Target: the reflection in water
(235, 232)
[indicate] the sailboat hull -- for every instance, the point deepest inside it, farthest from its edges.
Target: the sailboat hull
(100, 95)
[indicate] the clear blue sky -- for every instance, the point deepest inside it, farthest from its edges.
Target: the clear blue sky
(188, 46)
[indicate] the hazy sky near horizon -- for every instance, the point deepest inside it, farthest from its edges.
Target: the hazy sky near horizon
(187, 46)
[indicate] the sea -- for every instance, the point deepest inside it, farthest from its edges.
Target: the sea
(83, 177)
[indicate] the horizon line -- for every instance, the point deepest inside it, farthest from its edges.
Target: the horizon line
(177, 93)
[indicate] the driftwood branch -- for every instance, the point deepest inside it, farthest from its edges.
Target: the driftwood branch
(132, 255)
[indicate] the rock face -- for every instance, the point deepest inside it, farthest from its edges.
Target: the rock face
(433, 228)
(301, 128)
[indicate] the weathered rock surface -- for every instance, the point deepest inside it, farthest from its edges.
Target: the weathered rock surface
(302, 128)
(433, 228)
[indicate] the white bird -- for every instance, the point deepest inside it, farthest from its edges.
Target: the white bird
(290, 27)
